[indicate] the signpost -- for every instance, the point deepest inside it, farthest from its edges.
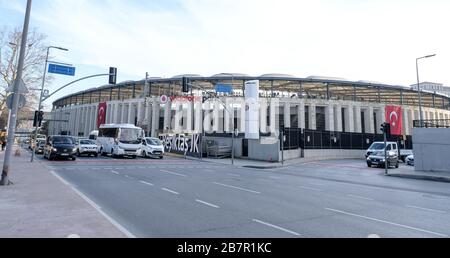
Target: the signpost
(61, 69)
(223, 88)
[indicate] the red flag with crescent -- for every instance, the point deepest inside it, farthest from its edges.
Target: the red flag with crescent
(394, 116)
(101, 118)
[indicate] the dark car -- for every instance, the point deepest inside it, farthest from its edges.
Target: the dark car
(60, 147)
(40, 147)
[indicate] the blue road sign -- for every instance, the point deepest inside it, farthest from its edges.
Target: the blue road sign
(224, 88)
(61, 69)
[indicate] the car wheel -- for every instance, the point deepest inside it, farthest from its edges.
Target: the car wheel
(78, 153)
(397, 165)
(50, 157)
(369, 164)
(74, 158)
(162, 157)
(144, 154)
(96, 155)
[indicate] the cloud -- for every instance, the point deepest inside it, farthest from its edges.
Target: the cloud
(372, 40)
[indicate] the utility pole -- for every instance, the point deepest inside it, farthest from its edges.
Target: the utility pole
(15, 107)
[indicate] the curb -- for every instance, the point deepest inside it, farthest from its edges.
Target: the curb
(261, 167)
(420, 177)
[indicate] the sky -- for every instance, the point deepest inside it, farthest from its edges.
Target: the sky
(374, 40)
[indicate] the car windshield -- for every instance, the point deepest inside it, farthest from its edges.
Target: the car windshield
(87, 142)
(377, 146)
(154, 142)
(130, 136)
(62, 140)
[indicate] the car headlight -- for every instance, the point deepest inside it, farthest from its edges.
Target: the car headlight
(54, 149)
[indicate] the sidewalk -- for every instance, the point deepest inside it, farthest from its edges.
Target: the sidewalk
(421, 175)
(39, 205)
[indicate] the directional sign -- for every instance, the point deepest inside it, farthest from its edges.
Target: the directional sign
(22, 88)
(222, 88)
(61, 69)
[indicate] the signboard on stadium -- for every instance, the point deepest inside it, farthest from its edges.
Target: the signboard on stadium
(182, 144)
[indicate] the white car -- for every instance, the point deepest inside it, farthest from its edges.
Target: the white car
(152, 147)
(87, 147)
(410, 160)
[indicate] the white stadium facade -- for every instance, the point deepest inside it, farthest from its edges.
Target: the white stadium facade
(323, 116)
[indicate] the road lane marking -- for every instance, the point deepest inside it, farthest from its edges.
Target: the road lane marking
(276, 227)
(238, 188)
(360, 197)
(425, 209)
(387, 222)
(310, 188)
(147, 183)
(96, 207)
(373, 236)
(208, 204)
(170, 191)
(115, 172)
(172, 173)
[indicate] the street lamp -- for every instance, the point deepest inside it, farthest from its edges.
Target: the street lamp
(419, 89)
(42, 94)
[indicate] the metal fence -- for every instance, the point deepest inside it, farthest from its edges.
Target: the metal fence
(310, 139)
(436, 123)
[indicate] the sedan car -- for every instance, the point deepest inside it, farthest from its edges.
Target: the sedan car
(152, 147)
(40, 147)
(410, 160)
(87, 147)
(378, 159)
(60, 147)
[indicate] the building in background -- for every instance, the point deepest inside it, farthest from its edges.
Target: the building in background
(432, 87)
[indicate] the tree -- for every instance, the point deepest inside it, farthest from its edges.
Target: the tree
(33, 68)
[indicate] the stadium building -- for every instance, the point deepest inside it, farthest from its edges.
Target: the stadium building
(323, 116)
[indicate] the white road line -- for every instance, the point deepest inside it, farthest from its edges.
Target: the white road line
(425, 209)
(172, 173)
(360, 197)
(96, 207)
(276, 227)
(387, 222)
(238, 188)
(147, 183)
(115, 172)
(312, 189)
(208, 204)
(170, 191)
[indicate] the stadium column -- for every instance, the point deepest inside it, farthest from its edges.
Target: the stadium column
(216, 117)
(139, 111)
(349, 119)
(338, 116)
(198, 116)
(263, 115)
(189, 116)
(227, 123)
(155, 118)
(167, 115)
(274, 104)
(301, 114)
(130, 118)
(357, 117)
(207, 118)
(312, 117)
(178, 127)
(242, 127)
(371, 120)
(329, 117)
(287, 115)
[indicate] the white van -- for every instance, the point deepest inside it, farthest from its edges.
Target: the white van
(120, 140)
(391, 146)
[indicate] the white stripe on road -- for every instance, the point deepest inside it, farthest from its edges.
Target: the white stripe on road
(170, 191)
(208, 204)
(115, 172)
(172, 173)
(360, 197)
(238, 188)
(147, 183)
(276, 227)
(310, 188)
(425, 209)
(387, 222)
(96, 207)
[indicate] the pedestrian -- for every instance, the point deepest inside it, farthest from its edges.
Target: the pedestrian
(3, 144)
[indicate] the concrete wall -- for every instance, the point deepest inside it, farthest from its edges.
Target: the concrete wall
(334, 154)
(431, 149)
(263, 152)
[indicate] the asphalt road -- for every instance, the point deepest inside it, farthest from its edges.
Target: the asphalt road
(178, 198)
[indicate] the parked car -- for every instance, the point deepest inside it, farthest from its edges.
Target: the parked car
(378, 159)
(87, 147)
(152, 147)
(40, 147)
(391, 146)
(60, 147)
(410, 160)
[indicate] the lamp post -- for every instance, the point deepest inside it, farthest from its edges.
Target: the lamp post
(419, 89)
(42, 94)
(15, 105)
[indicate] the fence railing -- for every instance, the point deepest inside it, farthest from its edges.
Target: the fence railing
(310, 139)
(434, 123)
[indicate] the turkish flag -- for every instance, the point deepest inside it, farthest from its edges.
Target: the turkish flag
(101, 117)
(394, 116)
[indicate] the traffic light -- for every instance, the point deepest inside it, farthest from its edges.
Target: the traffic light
(386, 128)
(35, 121)
(112, 75)
(186, 85)
(38, 118)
